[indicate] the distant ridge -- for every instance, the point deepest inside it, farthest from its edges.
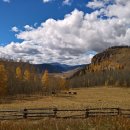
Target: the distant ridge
(51, 67)
(55, 67)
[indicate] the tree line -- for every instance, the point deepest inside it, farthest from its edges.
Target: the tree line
(118, 78)
(22, 78)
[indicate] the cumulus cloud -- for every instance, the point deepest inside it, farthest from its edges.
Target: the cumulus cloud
(119, 9)
(7, 1)
(116, 8)
(70, 39)
(15, 29)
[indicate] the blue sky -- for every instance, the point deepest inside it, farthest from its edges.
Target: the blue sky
(28, 12)
(64, 31)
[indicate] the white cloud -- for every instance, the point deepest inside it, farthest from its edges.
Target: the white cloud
(35, 24)
(95, 4)
(15, 29)
(7, 1)
(46, 1)
(67, 2)
(120, 9)
(117, 8)
(68, 40)
(28, 28)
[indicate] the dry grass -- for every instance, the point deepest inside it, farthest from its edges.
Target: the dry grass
(115, 123)
(91, 97)
(86, 97)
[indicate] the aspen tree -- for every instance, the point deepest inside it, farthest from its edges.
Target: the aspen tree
(18, 73)
(45, 79)
(3, 80)
(27, 75)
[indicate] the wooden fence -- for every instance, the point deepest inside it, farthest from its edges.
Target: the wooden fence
(37, 113)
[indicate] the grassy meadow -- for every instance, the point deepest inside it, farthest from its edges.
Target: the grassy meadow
(85, 98)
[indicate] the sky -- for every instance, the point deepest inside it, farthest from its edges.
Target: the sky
(64, 31)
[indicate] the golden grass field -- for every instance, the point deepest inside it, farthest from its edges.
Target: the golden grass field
(86, 97)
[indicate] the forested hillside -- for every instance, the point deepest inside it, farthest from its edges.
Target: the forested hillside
(110, 67)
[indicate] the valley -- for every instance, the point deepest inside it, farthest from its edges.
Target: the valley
(85, 98)
(64, 64)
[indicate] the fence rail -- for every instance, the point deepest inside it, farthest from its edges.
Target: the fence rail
(62, 113)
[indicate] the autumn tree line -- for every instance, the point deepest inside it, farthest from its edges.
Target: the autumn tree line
(108, 78)
(23, 78)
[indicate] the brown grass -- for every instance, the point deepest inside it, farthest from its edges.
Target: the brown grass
(86, 97)
(91, 97)
(115, 123)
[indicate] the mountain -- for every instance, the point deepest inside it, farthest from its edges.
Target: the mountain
(55, 67)
(110, 67)
(51, 67)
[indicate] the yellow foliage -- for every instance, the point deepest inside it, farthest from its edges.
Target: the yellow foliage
(27, 75)
(3, 80)
(18, 73)
(45, 79)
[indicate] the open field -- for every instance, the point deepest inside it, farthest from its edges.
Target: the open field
(85, 98)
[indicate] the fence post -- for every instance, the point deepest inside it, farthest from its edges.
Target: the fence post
(25, 113)
(55, 112)
(119, 111)
(87, 113)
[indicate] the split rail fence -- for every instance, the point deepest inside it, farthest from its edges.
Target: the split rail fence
(37, 113)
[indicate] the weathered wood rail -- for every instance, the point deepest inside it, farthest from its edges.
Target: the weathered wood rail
(37, 113)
